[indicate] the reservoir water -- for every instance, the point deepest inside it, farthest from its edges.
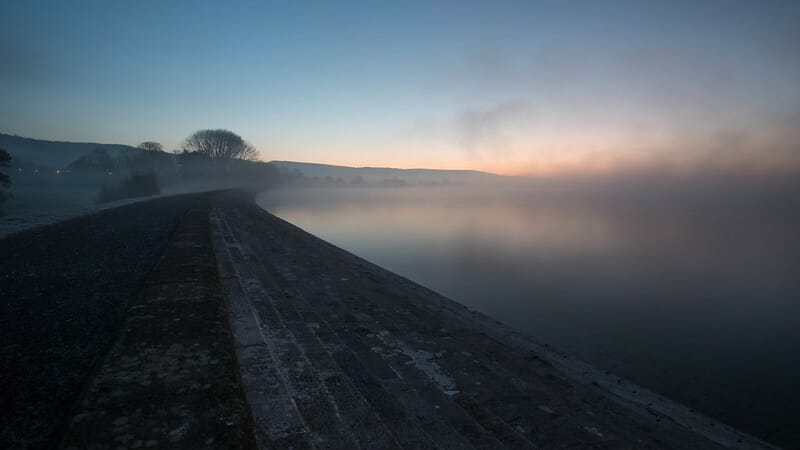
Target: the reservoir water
(696, 297)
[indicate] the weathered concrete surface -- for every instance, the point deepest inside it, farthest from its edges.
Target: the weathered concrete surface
(336, 352)
(64, 289)
(170, 381)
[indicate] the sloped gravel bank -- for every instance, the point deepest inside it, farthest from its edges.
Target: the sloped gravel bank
(64, 290)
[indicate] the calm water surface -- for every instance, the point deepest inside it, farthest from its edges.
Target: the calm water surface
(696, 298)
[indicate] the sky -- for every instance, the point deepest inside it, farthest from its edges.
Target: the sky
(514, 87)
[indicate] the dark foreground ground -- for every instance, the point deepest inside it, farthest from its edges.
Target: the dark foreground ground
(64, 290)
(203, 321)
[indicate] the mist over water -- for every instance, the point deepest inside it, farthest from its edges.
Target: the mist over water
(689, 289)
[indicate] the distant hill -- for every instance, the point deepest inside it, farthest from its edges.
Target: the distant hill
(379, 174)
(97, 158)
(55, 154)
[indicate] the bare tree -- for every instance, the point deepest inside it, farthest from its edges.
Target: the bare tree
(220, 144)
(150, 146)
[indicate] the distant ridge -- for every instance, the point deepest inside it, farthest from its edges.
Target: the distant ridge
(377, 174)
(53, 153)
(59, 155)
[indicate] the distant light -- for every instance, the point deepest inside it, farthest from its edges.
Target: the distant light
(109, 172)
(58, 172)
(20, 169)
(36, 170)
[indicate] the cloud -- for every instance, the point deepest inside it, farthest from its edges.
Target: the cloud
(638, 108)
(487, 129)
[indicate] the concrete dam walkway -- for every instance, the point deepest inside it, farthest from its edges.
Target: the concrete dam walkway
(251, 333)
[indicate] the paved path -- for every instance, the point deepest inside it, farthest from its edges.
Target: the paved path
(338, 353)
(170, 380)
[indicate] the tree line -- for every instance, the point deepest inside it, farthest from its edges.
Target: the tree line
(207, 158)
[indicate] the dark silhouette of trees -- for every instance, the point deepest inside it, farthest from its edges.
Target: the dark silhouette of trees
(154, 160)
(5, 181)
(220, 144)
(194, 166)
(136, 185)
(150, 146)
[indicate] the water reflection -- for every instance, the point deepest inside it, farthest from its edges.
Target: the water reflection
(696, 299)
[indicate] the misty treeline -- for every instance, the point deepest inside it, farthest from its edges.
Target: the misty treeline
(208, 159)
(297, 178)
(136, 185)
